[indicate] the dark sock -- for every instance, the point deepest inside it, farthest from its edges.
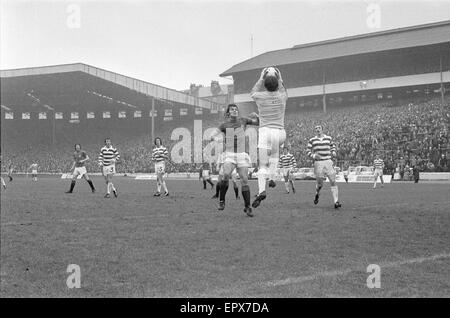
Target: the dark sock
(246, 195)
(236, 191)
(218, 188)
(91, 184)
(223, 189)
(72, 185)
(204, 184)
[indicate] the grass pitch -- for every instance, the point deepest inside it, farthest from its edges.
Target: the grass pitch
(138, 245)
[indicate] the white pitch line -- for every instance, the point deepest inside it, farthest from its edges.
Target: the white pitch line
(302, 279)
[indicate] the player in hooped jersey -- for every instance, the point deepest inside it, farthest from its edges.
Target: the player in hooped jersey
(270, 96)
(107, 160)
(321, 149)
(235, 154)
(159, 156)
(79, 168)
(286, 163)
(378, 164)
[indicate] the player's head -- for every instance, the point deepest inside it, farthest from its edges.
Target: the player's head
(232, 111)
(108, 142)
(77, 147)
(271, 83)
(318, 129)
(158, 142)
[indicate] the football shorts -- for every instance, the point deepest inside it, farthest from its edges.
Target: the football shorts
(79, 171)
(378, 173)
(111, 169)
(241, 159)
(271, 138)
(324, 168)
(205, 174)
(160, 167)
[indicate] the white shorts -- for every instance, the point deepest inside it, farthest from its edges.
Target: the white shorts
(111, 169)
(79, 171)
(241, 159)
(33, 171)
(160, 167)
(378, 173)
(205, 174)
(324, 168)
(271, 138)
(286, 171)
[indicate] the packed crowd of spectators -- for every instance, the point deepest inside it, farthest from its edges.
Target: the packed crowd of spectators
(411, 134)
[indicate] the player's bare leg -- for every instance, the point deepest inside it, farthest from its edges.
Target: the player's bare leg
(291, 181)
(163, 183)
(319, 185)
(89, 181)
(227, 169)
(286, 183)
(73, 182)
(219, 180)
(158, 185)
(243, 175)
(334, 191)
(235, 188)
(263, 173)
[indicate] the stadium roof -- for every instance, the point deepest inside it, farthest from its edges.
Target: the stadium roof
(413, 36)
(139, 86)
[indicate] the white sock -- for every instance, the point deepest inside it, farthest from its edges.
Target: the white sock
(108, 188)
(262, 180)
(375, 184)
(3, 183)
(292, 183)
(334, 192)
(286, 184)
(112, 187)
(158, 186)
(164, 186)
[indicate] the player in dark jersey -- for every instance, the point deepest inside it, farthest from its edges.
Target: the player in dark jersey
(79, 168)
(235, 156)
(205, 175)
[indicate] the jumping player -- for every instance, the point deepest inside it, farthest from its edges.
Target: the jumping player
(321, 149)
(378, 164)
(286, 163)
(159, 155)
(107, 160)
(270, 96)
(79, 168)
(235, 155)
(33, 167)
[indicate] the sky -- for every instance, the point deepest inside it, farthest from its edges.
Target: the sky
(176, 43)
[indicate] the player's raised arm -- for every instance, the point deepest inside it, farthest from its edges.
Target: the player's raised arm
(259, 85)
